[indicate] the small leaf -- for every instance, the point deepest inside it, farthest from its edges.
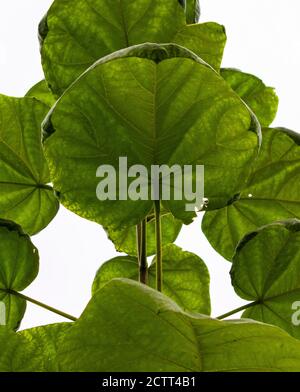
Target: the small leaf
(118, 267)
(272, 193)
(179, 112)
(260, 98)
(42, 93)
(25, 196)
(69, 28)
(265, 270)
(19, 264)
(185, 277)
(125, 239)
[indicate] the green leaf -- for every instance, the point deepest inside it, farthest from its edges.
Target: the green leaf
(46, 340)
(179, 111)
(260, 98)
(130, 327)
(76, 33)
(25, 196)
(118, 267)
(42, 93)
(192, 9)
(19, 264)
(272, 193)
(185, 277)
(265, 270)
(125, 239)
(16, 354)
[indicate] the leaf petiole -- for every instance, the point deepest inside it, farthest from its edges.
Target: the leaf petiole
(159, 269)
(234, 311)
(142, 251)
(38, 303)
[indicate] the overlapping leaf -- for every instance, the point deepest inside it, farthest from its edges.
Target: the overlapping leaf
(25, 196)
(272, 193)
(260, 98)
(179, 112)
(266, 270)
(42, 93)
(130, 327)
(185, 277)
(19, 264)
(76, 33)
(125, 239)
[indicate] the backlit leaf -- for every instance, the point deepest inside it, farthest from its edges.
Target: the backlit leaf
(265, 269)
(125, 239)
(25, 195)
(260, 98)
(42, 93)
(46, 341)
(179, 112)
(19, 264)
(130, 327)
(16, 354)
(272, 193)
(76, 33)
(185, 277)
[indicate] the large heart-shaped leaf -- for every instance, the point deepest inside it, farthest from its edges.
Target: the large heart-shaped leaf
(265, 270)
(42, 93)
(19, 264)
(125, 239)
(260, 98)
(185, 277)
(25, 196)
(76, 33)
(272, 193)
(179, 112)
(130, 327)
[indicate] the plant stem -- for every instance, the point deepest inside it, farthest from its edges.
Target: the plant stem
(33, 301)
(234, 311)
(143, 254)
(159, 269)
(142, 251)
(138, 239)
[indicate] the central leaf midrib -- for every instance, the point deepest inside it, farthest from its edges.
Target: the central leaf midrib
(155, 140)
(124, 24)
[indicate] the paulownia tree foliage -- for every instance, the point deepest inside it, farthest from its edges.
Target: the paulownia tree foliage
(143, 79)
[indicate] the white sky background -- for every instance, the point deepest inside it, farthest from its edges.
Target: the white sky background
(263, 38)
